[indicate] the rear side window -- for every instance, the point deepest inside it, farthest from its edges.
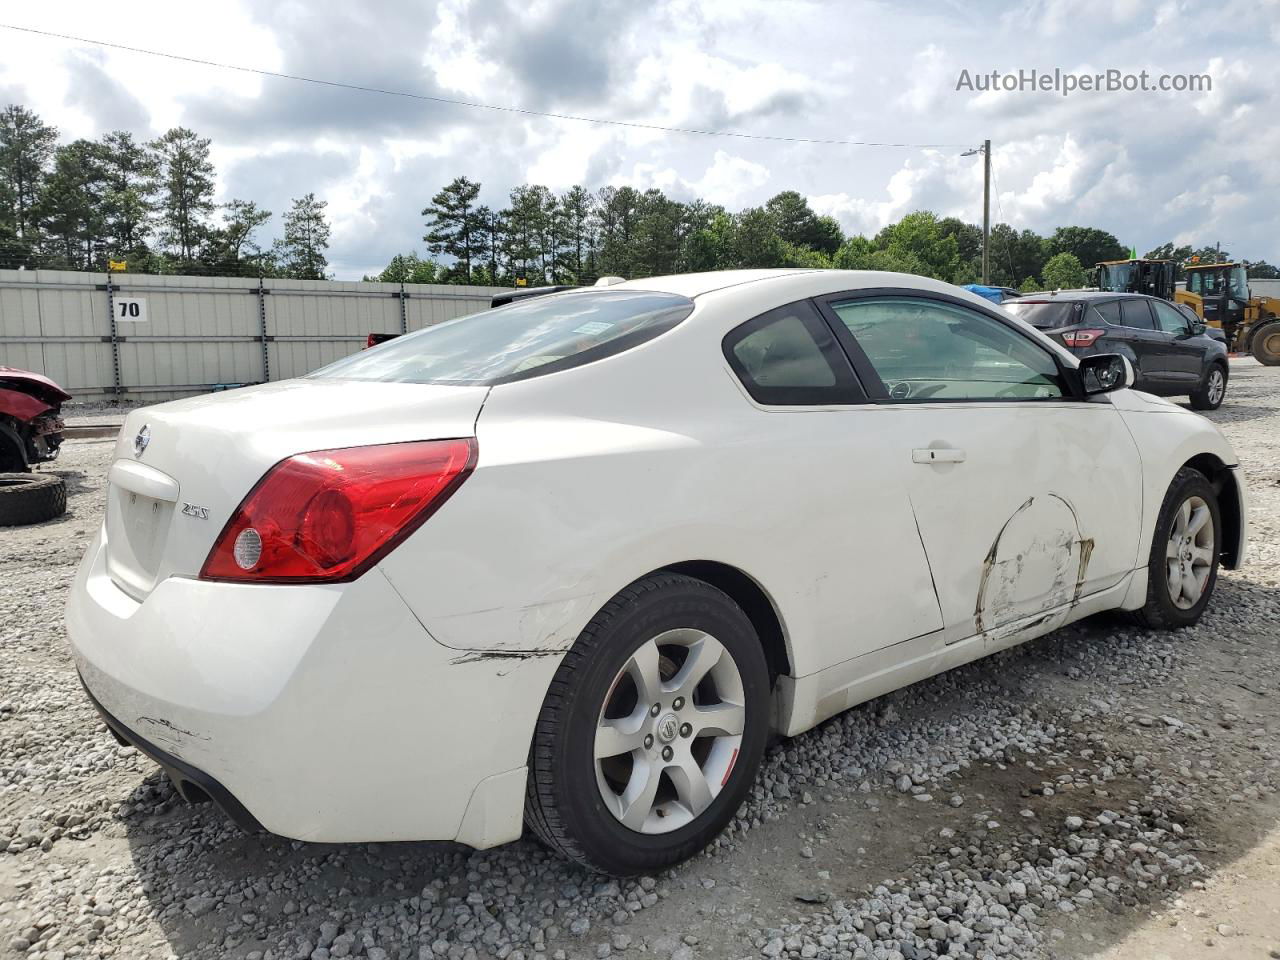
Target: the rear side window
(1136, 313)
(526, 339)
(1046, 315)
(788, 356)
(1110, 312)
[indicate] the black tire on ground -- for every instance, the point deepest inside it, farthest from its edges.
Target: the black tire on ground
(1160, 611)
(30, 498)
(563, 805)
(1264, 343)
(1201, 398)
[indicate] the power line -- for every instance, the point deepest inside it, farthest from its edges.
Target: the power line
(471, 103)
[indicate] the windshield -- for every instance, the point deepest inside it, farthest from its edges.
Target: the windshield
(1045, 315)
(525, 339)
(1115, 276)
(1207, 283)
(1240, 283)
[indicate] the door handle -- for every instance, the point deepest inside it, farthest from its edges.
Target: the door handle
(936, 455)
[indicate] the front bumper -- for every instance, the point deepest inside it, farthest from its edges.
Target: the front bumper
(317, 712)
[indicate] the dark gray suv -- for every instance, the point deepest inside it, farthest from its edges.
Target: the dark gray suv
(1170, 352)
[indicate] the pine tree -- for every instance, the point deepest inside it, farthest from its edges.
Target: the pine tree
(306, 238)
(128, 210)
(26, 149)
(576, 208)
(71, 204)
(186, 184)
(452, 225)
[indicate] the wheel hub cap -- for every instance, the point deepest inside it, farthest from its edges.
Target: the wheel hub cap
(1190, 553)
(669, 731)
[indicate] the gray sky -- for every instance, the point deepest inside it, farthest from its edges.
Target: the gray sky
(1150, 167)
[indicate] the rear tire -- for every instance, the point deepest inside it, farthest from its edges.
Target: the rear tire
(30, 498)
(1183, 568)
(1264, 343)
(640, 807)
(1213, 389)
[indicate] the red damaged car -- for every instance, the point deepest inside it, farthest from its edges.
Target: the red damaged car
(30, 419)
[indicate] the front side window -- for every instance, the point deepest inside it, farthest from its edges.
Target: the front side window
(1171, 321)
(525, 339)
(788, 356)
(928, 350)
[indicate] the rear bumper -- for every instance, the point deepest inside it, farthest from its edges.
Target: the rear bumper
(194, 785)
(317, 712)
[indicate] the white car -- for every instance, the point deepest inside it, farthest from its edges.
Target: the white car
(569, 562)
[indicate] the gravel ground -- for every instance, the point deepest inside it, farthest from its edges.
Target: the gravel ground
(1057, 800)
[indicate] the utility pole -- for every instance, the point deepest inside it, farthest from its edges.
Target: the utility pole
(986, 211)
(985, 150)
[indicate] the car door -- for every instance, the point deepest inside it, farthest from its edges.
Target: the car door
(1027, 495)
(1149, 345)
(861, 580)
(1185, 352)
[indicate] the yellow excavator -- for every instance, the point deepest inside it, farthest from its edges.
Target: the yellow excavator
(1218, 293)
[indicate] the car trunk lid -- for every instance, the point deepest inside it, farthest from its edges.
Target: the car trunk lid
(182, 468)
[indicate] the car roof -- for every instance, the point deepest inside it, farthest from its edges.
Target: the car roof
(1072, 296)
(697, 284)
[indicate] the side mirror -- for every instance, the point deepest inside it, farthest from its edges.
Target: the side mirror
(1197, 328)
(1105, 372)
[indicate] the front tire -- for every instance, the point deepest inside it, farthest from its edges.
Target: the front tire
(1212, 391)
(652, 731)
(1183, 567)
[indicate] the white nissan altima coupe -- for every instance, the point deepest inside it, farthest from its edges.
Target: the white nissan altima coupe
(570, 562)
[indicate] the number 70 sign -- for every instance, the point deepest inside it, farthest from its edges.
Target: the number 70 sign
(131, 309)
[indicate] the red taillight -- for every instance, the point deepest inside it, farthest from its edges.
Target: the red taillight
(1081, 338)
(371, 341)
(330, 515)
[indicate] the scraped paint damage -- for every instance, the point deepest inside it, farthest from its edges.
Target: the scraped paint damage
(1038, 561)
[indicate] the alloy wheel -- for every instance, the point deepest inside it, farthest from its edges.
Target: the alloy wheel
(1217, 386)
(670, 731)
(1189, 552)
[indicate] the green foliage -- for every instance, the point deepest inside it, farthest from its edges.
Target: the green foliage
(71, 206)
(797, 225)
(1088, 245)
(1063, 271)
(409, 268)
(1030, 285)
(301, 250)
(186, 190)
(452, 227)
(27, 147)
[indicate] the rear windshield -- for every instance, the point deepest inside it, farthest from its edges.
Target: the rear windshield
(525, 339)
(1046, 315)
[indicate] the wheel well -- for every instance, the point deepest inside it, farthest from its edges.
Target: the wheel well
(755, 603)
(1228, 503)
(12, 455)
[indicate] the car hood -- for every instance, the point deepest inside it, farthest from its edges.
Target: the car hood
(35, 384)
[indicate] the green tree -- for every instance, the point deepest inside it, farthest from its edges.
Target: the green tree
(452, 227)
(301, 251)
(409, 268)
(27, 146)
(797, 224)
(755, 240)
(230, 250)
(489, 229)
(798, 256)
(709, 241)
(524, 237)
(577, 208)
(920, 236)
(617, 210)
(859, 253)
(1015, 255)
(1261, 270)
(71, 205)
(1063, 271)
(660, 223)
(186, 188)
(128, 211)
(1088, 245)
(1029, 285)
